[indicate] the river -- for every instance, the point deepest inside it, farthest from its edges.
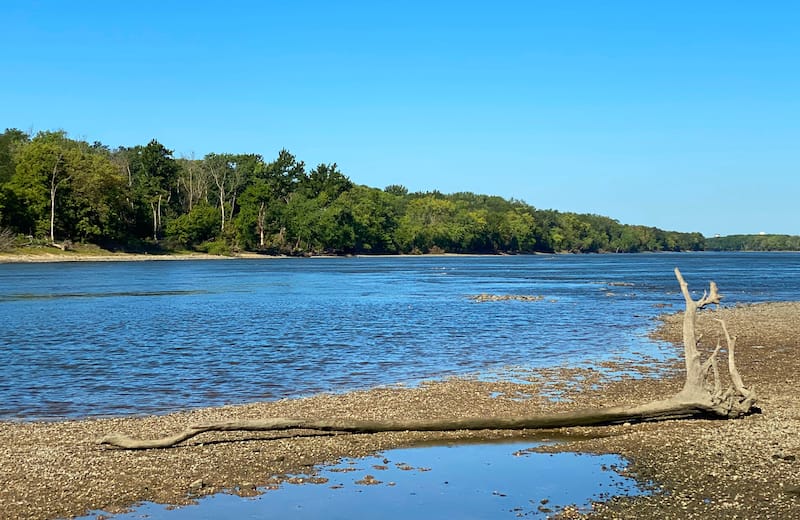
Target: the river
(91, 339)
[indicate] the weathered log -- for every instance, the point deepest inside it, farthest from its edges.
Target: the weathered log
(655, 411)
(697, 399)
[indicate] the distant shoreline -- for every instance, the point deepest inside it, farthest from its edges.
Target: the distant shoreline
(107, 256)
(68, 257)
(19, 258)
(22, 258)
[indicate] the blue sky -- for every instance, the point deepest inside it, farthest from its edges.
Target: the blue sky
(680, 115)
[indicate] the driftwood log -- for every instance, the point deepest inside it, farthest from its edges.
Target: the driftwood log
(702, 396)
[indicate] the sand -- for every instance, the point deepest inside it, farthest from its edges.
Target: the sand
(743, 468)
(106, 256)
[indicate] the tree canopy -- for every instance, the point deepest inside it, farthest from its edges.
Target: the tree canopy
(53, 187)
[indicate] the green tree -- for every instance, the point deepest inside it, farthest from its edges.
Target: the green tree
(97, 199)
(374, 215)
(10, 142)
(517, 231)
(231, 174)
(398, 190)
(152, 174)
(195, 227)
(193, 183)
(314, 218)
(44, 169)
(263, 218)
(427, 225)
(324, 181)
(66, 188)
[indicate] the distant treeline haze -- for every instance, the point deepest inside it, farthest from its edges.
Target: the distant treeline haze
(54, 188)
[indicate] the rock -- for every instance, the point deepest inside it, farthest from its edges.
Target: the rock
(505, 297)
(786, 457)
(368, 480)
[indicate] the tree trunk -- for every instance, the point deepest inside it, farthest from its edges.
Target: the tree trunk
(261, 222)
(219, 180)
(158, 215)
(697, 399)
(54, 183)
(155, 207)
(222, 212)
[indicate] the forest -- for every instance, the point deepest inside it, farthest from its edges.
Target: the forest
(763, 242)
(58, 190)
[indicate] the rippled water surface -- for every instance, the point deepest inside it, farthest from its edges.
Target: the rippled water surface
(87, 339)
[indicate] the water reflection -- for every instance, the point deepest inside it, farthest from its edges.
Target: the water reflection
(462, 481)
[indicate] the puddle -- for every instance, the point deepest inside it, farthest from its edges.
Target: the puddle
(467, 481)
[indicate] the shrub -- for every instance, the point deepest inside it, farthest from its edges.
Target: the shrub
(199, 225)
(217, 247)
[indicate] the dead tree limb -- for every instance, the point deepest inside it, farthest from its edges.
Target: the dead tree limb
(698, 398)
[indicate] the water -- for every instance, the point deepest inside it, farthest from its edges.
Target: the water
(467, 481)
(97, 339)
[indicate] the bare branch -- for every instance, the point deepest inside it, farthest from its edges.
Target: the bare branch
(712, 359)
(711, 297)
(736, 378)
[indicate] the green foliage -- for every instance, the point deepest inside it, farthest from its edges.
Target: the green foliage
(516, 231)
(397, 190)
(152, 176)
(216, 247)
(143, 195)
(373, 216)
(753, 243)
(67, 184)
(10, 141)
(199, 225)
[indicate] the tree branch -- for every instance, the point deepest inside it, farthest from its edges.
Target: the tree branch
(655, 411)
(736, 378)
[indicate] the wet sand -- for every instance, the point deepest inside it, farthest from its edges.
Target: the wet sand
(744, 468)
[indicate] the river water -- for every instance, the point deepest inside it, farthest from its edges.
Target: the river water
(121, 338)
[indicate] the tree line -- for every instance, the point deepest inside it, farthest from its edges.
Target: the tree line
(54, 188)
(762, 242)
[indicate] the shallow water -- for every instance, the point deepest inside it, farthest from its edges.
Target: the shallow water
(93, 339)
(465, 481)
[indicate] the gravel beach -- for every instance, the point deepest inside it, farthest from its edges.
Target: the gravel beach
(743, 468)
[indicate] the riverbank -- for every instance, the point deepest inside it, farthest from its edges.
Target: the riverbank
(54, 256)
(49, 256)
(703, 469)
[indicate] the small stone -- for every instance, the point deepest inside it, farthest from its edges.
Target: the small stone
(368, 480)
(786, 457)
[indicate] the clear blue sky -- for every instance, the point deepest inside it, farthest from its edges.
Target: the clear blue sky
(681, 115)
